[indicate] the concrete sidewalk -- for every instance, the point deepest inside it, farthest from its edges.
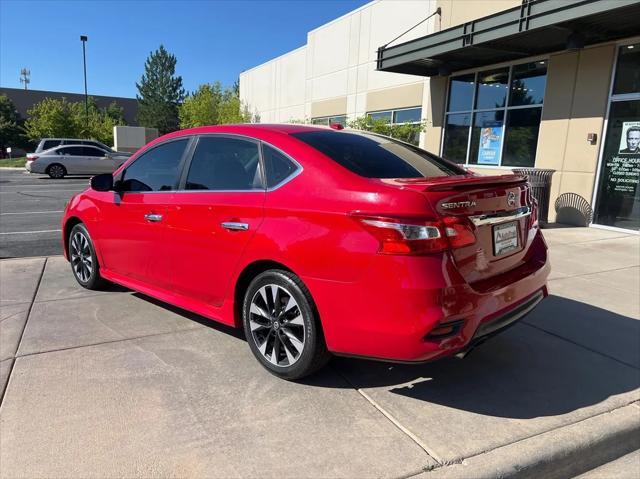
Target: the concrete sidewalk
(113, 384)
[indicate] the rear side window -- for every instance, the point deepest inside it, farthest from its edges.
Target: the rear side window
(156, 170)
(221, 163)
(278, 166)
(51, 144)
(374, 156)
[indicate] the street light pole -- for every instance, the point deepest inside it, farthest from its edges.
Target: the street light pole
(83, 39)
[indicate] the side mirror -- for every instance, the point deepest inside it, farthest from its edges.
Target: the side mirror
(102, 182)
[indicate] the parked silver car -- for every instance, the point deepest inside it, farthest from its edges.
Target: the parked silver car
(48, 143)
(74, 160)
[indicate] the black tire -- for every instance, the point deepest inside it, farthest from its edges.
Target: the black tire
(83, 259)
(300, 320)
(56, 171)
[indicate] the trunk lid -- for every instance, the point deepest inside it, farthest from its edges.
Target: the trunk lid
(498, 210)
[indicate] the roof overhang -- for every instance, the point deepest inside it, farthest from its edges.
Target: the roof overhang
(536, 27)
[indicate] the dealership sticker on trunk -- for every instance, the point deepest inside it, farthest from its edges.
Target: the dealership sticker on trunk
(505, 238)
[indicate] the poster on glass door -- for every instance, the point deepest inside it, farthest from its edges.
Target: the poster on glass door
(630, 138)
(490, 141)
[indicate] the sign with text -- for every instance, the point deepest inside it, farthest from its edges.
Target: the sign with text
(490, 142)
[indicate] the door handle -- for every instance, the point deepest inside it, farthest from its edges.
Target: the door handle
(153, 217)
(232, 225)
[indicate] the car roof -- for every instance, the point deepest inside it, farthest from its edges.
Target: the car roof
(72, 139)
(59, 147)
(286, 128)
(256, 130)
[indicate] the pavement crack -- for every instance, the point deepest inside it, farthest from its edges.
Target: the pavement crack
(11, 316)
(619, 361)
(393, 420)
(26, 322)
(593, 273)
(120, 340)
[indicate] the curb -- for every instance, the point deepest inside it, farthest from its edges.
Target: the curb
(15, 168)
(564, 452)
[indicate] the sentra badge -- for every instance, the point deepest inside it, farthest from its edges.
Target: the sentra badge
(458, 204)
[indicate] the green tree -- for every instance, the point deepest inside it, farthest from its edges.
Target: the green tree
(210, 104)
(116, 112)
(54, 118)
(160, 92)
(60, 118)
(10, 125)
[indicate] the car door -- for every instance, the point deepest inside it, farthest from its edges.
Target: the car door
(72, 158)
(98, 161)
(134, 221)
(213, 217)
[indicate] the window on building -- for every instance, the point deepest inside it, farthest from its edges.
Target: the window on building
(400, 116)
(628, 71)
(493, 116)
(330, 120)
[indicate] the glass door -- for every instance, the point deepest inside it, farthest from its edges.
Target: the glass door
(618, 193)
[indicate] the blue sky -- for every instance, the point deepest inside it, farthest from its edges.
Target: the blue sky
(212, 39)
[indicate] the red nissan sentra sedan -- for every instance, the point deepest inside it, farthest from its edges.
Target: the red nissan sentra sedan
(316, 241)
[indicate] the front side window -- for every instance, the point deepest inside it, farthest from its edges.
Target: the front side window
(157, 169)
(90, 151)
(221, 163)
(72, 151)
(375, 156)
(493, 116)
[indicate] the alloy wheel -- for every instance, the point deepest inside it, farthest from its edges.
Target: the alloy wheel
(277, 326)
(81, 257)
(56, 171)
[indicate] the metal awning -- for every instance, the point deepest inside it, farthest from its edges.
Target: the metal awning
(534, 28)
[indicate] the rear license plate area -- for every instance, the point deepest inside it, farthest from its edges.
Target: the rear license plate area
(505, 238)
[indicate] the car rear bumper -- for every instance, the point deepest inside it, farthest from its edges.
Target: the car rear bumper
(395, 316)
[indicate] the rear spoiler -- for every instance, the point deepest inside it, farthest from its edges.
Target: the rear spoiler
(459, 182)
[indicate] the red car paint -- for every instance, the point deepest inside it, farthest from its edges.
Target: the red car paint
(370, 302)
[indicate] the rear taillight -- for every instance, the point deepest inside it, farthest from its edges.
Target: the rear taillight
(416, 237)
(32, 158)
(533, 217)
(458, 231)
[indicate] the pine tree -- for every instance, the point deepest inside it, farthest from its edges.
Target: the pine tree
(160, 92)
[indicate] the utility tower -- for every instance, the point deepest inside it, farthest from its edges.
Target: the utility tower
(24, 77)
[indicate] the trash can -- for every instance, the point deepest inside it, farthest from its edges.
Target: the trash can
(540, 181)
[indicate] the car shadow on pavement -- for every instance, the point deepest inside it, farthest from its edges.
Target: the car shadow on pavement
(65, 178)
(564, 356)
(223, 328)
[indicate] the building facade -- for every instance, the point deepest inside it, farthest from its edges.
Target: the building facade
(25, 99)
(501, 84)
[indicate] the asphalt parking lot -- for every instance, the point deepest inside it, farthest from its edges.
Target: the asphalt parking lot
(30, 210)
(116, 384)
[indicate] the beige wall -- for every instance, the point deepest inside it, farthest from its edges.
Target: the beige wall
(575, 105)
(335, 72)
(455, 12)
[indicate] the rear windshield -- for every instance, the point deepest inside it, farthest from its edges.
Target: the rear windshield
(375, 156)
